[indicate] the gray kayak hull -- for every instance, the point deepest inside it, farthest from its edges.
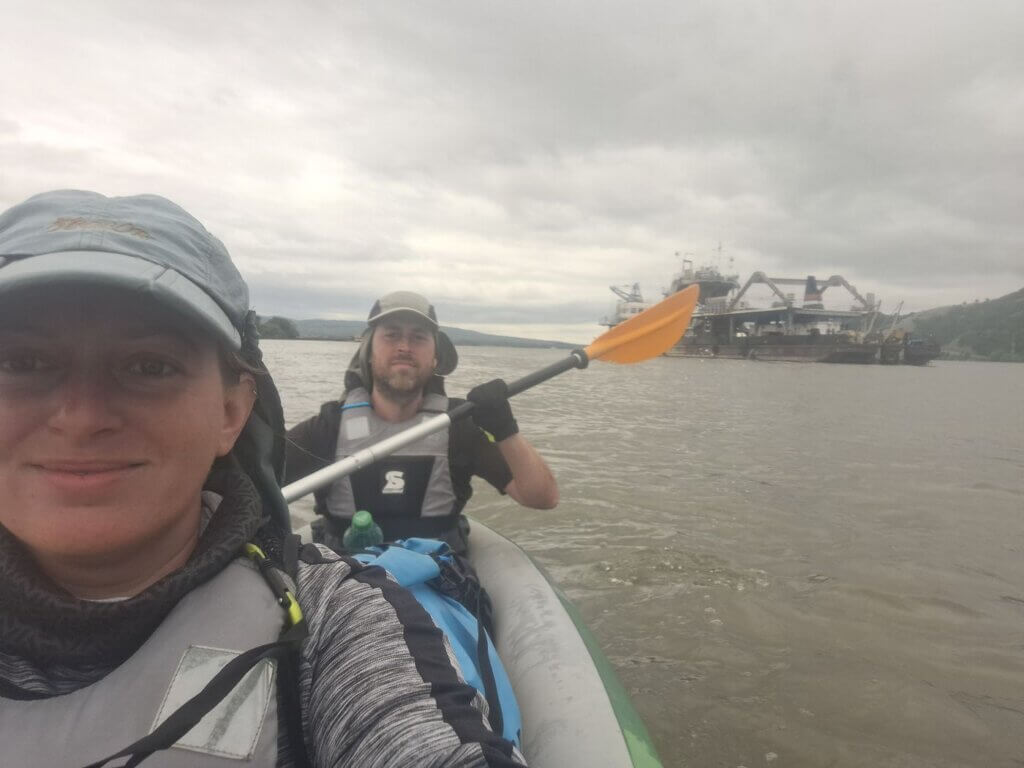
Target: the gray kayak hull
(574, 710)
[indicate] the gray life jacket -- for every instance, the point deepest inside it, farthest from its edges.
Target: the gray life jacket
(409, 493)
(232, 613)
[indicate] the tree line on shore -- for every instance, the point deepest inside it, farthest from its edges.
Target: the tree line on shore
(277, 328)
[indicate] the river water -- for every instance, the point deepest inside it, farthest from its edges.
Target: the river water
(788, 564)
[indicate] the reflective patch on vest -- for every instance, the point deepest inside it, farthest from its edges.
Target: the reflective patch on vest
(356, 428)
(232, 728)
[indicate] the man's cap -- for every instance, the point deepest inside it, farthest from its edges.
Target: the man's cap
(403, 302)
(143, 243)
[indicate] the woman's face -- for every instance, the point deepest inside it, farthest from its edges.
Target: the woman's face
(112, 410)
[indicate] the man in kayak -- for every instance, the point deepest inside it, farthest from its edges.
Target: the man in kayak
(151, 599)
(394, 381)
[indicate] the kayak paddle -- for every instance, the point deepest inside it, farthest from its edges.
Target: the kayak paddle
(646, 335)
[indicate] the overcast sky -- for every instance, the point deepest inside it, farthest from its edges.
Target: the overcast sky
(511, 160)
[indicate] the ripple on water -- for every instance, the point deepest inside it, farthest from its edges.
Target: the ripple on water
(855, 532)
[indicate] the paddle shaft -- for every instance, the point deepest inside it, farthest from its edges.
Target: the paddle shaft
(642, 337)
(388, 446)
(362, 458)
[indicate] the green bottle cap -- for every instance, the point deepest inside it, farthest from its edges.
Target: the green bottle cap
(362, 520)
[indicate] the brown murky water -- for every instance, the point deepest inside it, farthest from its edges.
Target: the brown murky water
(789, 564)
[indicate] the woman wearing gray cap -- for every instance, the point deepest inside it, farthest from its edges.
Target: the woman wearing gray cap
(151, 599)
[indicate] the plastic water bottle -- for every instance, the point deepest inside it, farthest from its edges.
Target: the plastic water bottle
(362, 533)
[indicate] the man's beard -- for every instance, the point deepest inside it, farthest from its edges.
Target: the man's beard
(400, 386)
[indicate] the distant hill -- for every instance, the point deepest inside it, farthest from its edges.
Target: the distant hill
(984, 330)
(350, 329)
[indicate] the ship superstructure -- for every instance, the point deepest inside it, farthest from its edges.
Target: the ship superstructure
(715, 287)
(631, 302)
(726, 325)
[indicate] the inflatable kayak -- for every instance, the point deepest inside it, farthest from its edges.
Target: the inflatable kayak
(575, 711)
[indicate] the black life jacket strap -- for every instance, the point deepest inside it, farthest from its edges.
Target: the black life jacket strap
(188, 715)
(290, 705)
(288, 686)
(458, 580)
(483, 660)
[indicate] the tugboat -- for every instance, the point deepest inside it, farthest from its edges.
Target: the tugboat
(920, 351)
(903, 347)
(899, 346)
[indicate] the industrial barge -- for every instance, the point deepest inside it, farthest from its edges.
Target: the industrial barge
(725, 325)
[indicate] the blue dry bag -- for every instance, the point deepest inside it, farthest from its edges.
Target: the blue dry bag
(421, 566)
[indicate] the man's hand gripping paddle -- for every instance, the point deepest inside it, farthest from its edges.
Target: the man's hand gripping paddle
(646, 335)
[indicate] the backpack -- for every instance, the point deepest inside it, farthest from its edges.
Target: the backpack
(448, 589)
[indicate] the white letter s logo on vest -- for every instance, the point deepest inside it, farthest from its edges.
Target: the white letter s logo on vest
(394, 482)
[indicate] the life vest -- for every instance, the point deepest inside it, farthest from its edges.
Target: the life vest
(201, 635)
(427, 569)
(409, 493)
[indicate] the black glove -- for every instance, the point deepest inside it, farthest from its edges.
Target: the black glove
(493, 413)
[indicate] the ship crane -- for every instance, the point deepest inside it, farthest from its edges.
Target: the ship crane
(813, 289)
(892, 325)
(627, 293)
(631, 302)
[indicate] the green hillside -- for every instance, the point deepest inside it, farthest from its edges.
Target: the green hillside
(985, 330)
(348, 329)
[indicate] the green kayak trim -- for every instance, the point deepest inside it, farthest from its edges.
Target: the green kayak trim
(638, 740)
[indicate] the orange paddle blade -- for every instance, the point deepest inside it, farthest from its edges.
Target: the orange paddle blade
(649, 334)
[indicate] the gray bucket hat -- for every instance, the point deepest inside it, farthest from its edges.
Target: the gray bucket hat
(142, 243)
(402, 302)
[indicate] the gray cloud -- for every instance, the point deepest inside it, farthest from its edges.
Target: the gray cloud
(514, 160)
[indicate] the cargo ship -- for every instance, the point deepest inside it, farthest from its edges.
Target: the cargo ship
(725, 325)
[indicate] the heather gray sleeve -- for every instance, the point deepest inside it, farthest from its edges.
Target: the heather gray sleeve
(380, 683)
